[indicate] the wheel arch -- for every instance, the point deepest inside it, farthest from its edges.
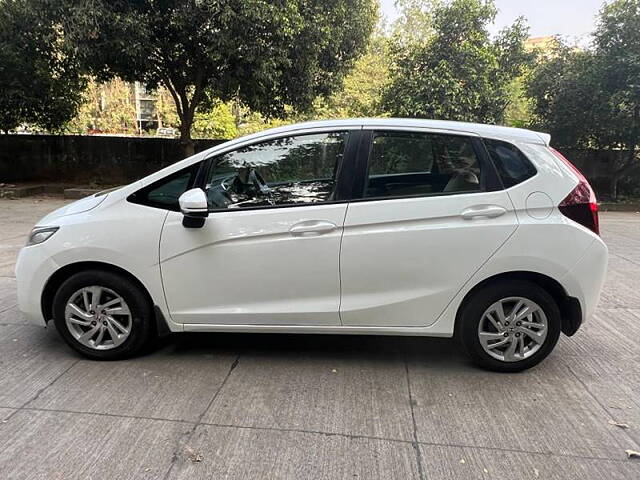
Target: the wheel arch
(59, 276)
(570, 308)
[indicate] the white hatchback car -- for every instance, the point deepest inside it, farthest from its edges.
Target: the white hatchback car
(377, 226)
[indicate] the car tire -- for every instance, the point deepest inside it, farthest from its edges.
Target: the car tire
(79, 318)
(479, 323)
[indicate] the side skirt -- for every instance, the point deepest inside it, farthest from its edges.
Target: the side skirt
(306, 329)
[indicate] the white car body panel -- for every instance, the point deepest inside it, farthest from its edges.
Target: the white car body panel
(123, 234)
(403, 260)
(245, 271)
(247, 267)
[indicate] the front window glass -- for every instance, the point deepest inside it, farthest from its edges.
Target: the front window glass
(413, 164)
(285, 171)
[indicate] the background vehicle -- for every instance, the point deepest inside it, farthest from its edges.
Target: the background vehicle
(166, 132)
(395, 227)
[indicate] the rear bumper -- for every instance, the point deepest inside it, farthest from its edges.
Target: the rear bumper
(585, 280)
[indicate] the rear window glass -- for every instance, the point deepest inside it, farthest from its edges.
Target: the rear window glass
(513, 167)
(405, 164)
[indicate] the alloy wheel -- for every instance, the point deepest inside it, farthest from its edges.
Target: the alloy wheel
(98, 318)
(513, 329)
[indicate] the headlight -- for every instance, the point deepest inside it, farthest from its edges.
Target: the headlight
(40, 234)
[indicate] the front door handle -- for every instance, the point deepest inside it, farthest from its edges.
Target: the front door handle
(487, 211)
(312, 227)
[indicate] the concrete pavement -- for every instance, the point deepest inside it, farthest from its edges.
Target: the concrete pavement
(238, 406)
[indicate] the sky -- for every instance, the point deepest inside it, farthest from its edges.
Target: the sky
(572, 19)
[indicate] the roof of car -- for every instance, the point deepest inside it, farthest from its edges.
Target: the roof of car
(483, 130)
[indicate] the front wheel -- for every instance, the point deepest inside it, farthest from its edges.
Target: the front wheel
(509, 326)
(103, 315)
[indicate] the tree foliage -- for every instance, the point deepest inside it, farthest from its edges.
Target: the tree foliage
(415, 21)
(361, 93)
(617, 52)
(217, 121)
(40, 81)
(519, 109)
(591, 98)
(108, 108)
(265, 54)
(558, 86)
(459, 73)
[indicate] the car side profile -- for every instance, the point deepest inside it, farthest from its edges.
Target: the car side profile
(363, 226)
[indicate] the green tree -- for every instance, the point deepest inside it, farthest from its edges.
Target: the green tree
(591, 98)
(415, 21)
(249, 121)
(459, 73)
(617, 42)
(107, 108)
(40, 82)
(361, 93)
(264, 54)
(558, 87)
(518, 112)
(219, 122)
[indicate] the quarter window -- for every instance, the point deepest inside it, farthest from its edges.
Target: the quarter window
(166, 192)
(286, 171)
(513, 167)
(415, 164)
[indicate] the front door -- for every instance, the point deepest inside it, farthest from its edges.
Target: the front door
(430, 215)
(269, 250)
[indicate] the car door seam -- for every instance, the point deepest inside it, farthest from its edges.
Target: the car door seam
(344, 221)
(517, 225)
(164, 291)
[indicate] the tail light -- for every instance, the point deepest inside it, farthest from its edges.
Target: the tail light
(580, 205)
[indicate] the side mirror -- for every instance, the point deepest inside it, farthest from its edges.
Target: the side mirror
(193, 205)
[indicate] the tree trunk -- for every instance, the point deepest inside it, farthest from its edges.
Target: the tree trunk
(186, 108)
(628, 168)
(613, 187)
(188, 147)
(186, 120)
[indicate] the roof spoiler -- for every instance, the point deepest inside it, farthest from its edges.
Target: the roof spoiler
(545, 137)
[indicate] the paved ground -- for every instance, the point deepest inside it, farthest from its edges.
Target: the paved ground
(320, 407)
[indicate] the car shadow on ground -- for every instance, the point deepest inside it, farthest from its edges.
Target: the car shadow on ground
(425, 350)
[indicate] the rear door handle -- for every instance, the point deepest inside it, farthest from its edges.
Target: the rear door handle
(312, 227)
(487, 211)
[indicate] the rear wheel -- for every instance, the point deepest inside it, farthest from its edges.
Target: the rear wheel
(103, 315)
(509, 326)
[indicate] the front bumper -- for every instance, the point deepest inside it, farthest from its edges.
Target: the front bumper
(33, 269)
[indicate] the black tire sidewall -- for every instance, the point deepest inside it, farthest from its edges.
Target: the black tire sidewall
(474, 308)
(141, 328)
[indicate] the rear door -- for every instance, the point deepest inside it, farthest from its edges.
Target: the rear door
(431, 212)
